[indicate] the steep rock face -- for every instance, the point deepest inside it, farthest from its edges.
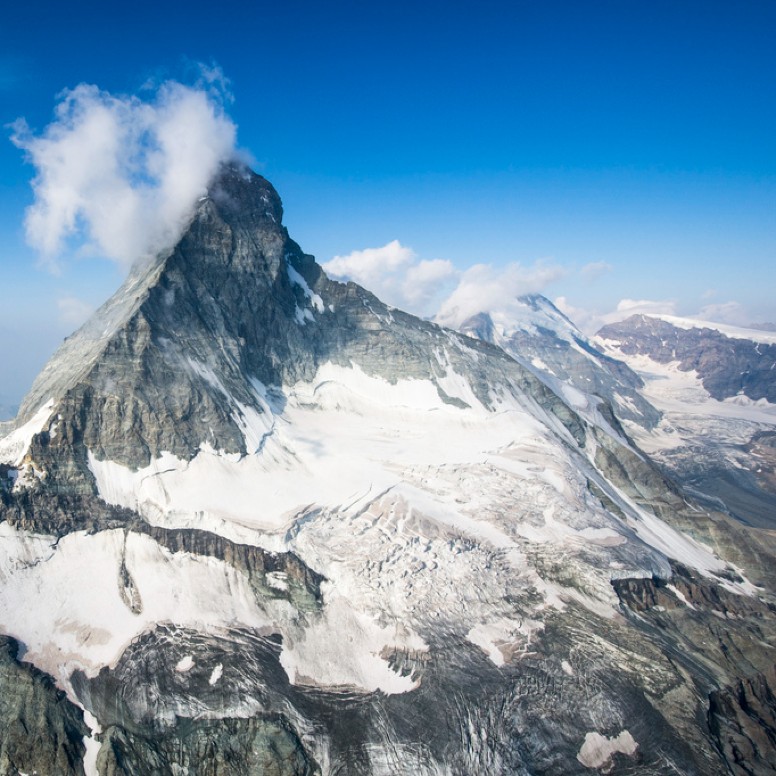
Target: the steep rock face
(740, 713)
(742, 718)
(234, 747)
(40, 730)
(169, 362)
(256, 521)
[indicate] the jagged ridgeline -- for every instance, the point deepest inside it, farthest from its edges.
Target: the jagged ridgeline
(255, 521)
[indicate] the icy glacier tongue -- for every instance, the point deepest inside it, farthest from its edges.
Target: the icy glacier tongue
(255, 521)
(716, 389)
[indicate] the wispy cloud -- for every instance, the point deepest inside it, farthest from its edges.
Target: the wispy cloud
(117, 176)
(594, 270)
(590, 321)
(396, 275)
(725, 312)
(627, 307)
(434, 287)
(73, 311)
(485, 288)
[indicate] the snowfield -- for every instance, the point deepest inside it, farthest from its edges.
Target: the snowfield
(419, 513)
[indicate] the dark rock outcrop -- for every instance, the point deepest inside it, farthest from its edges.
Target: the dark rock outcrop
(727, 366)
(258, 746)
(742, 719)
(40, 730)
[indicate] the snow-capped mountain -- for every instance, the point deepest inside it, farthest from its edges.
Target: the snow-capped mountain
(538, 335)
(255, 521)
(716, 387)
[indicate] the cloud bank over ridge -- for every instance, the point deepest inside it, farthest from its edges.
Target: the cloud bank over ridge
(434, 287)
(117, 176)
(394, 274)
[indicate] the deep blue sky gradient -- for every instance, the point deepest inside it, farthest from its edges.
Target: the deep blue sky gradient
(642, 134)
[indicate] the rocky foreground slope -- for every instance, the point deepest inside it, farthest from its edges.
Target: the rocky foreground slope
(256, 522)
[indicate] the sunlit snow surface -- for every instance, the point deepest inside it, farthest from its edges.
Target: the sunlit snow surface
(14, 446)
(63, 600)
(735, 332)
(420, 514)
(691, 416)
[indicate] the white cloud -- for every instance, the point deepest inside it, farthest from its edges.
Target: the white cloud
(394, 274)
(425, 279)
(117, 175)
(590, 321)
(724, 312)
(371, 265)
(627, 307)
(587, 321)
(73, 311)
(483, 288)
(594, 270)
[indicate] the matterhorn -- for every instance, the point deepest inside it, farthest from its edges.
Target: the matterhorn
(256, 521)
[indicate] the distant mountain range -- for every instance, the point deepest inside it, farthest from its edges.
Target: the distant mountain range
(255, 521)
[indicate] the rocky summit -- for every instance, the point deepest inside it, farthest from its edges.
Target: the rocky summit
(255, 521)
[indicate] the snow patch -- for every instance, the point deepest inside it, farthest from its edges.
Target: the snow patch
(680, 595)
(597, 750)
(185, 664)
(14, 446)
(81, 620)
(298, 280)
(91, 744)
(278, 580)
(733, 332)
(217, 673)
(344, 649)
(503, 639)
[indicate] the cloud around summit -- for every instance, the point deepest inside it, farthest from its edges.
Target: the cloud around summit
(117, 175)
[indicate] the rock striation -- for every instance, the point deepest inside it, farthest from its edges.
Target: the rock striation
(40, 730)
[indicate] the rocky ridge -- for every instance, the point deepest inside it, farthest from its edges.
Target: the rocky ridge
(726, 365)
(266, 524)
(716, 390)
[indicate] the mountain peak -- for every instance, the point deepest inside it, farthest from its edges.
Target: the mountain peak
(187, 348)
(242, 195)
(274, 495)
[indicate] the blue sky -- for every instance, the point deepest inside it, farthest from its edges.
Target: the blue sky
(634, 139)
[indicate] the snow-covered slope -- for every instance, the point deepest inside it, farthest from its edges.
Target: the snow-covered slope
(538, 335)
(251, 509)
(731, 332)
(716, 388)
